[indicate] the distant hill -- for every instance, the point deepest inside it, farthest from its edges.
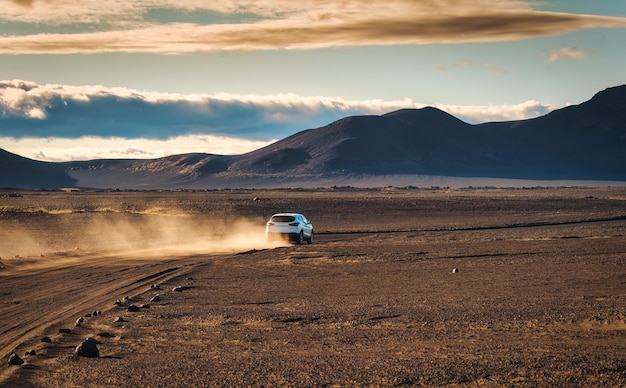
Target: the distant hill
(20, 172)
(581, 142)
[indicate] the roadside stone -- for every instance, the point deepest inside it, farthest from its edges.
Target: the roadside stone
(14, 359)
(119, 319)
(178, 289)
(455, 270)
(88, 348)
(155, 298)
(46, 339)
(132, 308)
(79, 321)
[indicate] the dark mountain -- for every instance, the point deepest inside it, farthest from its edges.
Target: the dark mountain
(587, 141)
(582, 142)
(425, 141)
(19, 172)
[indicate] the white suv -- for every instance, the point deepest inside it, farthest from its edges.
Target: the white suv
(294, 226)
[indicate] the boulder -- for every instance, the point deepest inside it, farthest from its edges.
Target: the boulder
(88, 348)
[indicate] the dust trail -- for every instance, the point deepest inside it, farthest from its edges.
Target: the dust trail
(61, 240)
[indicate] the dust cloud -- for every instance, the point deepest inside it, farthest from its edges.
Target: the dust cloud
(50, 241)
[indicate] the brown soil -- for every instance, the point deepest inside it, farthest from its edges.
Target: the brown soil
(493, 287)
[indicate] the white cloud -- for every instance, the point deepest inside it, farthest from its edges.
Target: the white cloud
(490, 113)
(36, 113)
(91, 147)
(568, 53)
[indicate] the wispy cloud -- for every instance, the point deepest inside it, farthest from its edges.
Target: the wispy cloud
(493, 68)
(465, 64)
(568, 53)
(62, 122)
(124, 26)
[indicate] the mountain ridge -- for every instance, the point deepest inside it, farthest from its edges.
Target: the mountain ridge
(579, 142)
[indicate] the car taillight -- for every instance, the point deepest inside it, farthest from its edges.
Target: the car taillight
(294, 224)
(270, 224)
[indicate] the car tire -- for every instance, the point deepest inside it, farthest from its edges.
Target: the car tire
(310, 239)
(300, 238)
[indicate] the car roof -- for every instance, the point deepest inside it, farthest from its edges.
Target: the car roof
(287, 214)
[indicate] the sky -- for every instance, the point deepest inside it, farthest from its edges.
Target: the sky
(89, 79)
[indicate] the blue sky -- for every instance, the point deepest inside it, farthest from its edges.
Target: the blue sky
(148, 78)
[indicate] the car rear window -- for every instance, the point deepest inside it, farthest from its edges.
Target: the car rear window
(283, 218)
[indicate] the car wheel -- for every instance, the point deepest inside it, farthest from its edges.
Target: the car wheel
(310, 239)
(300, 239)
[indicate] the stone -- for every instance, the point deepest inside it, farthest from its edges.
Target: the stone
(46, 339)
(155, 298)
(31, 352)
(119, 319)
(455, 270)
(132, 308)
(14, 359)
(88, 348)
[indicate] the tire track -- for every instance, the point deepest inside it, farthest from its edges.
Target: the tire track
(479, 227)
(63, 293)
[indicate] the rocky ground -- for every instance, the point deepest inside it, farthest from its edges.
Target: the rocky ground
(438, 287)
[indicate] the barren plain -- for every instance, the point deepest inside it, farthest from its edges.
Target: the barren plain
(416, 287)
